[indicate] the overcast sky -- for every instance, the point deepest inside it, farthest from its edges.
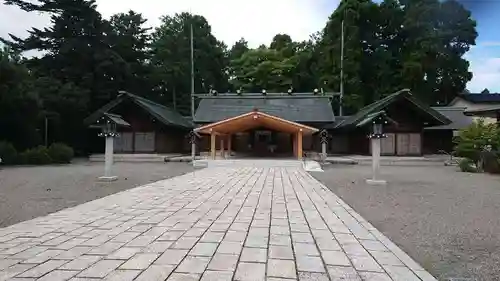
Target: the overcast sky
(259, 20)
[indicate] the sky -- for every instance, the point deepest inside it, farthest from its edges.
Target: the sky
(259, 20)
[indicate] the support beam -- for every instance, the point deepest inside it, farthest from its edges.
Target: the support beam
(229, 138)
(222, 147)
(212, 145)
(294, 141)
(299, 145)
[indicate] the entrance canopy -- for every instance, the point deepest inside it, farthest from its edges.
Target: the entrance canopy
(253, 120)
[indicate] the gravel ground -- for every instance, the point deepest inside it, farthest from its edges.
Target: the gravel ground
(446, 220)
(29, 192)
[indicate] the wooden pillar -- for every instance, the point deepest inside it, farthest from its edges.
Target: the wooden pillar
(299, 145)
(294, 141)
(229, 137)
(212, 145)
(222, 147)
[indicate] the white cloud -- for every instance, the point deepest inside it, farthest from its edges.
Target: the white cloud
(486, 74)
(257, 21)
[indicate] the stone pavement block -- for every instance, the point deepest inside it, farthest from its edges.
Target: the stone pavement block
(235, 236)
(250, 272)
(373, 245)
(59, 275)
(171, 235)
(14, 270)
(105, 249)
(365, 263)
(256, 241)
(185, 243)
(28, 253)
(42, 269)
(401, 273)
(73, 253)
(280, 230)
(227, 247)
(217, 276)
(374, 276)
(424, 275)
(315, 276)
(100, 269)
(155, 273)
(141, 241)
(125, 237)
(302, 237)
(5, 263)
(183, 277)
(281, 268)
(214, 237)
(310, 264)
(280, 252)
(343, 273)
(81, 263)
(254, 255)
(280, 240)
(355, 250)
(123, 253)
(386, 258)
(193, 264)
(44, 256)
(157, 247)
(140, 261)
(335, 258)
(122, 275)
(203, 249)
(305, 249)
(223, 262)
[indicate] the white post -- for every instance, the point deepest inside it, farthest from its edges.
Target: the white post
(323, 151)
(376, 157)
(193, 151)
(375, 143)
(108, 160)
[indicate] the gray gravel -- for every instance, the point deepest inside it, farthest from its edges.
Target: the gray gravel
(446, 220)
(29, 192)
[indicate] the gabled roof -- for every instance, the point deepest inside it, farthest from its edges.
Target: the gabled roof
(380, 105)
(479, 98)
(303, 108)
(456, 114)
(164, 114)
(490, 111)
(254, 119)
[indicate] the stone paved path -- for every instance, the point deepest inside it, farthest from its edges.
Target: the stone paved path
(217, 224)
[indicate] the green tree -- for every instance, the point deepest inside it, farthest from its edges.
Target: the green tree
(19, 103)
(171, 59)
(130, 41)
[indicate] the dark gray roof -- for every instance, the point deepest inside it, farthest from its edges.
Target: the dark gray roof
(379, 105)
(300, 108)
(164, 114)
(456, 114)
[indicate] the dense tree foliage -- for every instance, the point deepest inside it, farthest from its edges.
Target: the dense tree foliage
(84, 60)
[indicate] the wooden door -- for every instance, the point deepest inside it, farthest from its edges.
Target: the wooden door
(415, 144)
(403, 144)
(144, 142)
(123, 143)
(388, 145)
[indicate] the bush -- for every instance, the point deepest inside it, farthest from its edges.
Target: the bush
(467, 165)
(60, 153)
(477, 138)
(36, 156)
(8, 153)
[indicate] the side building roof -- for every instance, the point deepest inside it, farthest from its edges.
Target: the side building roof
(166, 115)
